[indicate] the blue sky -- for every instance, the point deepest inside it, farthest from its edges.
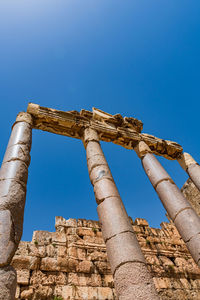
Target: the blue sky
(138, 58)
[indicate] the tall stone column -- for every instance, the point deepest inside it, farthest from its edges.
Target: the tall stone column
(131, 276)
(13, 179)
(188, 163)
(179, 209)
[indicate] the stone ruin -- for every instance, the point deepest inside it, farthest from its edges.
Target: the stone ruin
(114, 258)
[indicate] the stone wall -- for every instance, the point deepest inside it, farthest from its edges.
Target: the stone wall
(190, 191)
(71, 263)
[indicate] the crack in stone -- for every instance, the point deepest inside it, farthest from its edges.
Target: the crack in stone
(118, 234)
(15, 159)
(192, 237)
(99, 201)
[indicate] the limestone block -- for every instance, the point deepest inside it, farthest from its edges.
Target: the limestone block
(73, 279)
(35, 250)
(85, 231)
(62, 251)
(102, 267)
(61, 279)
(176, 284)
(94, 240)
(72, 251)
(72, 263)
(59, 238)
(25, 262)
(81, 253)
(42, 237)
(43, 292)
(104, 293)
(185, 283)
(23, 248)
(85, 267)
(51, 250)
(152, 259)
(92, 224)
(165, 261)
(66, 291)
(49, 264)
(162, 283)
(23, 276)
(107, 281)
(27, 294)
(97, 255)
(141, 222)
(85, 293)
(95, 280)
(17, 293)
(60, 221)
(63, 264)
(70, 230)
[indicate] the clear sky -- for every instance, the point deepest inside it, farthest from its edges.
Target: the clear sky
(138, 58)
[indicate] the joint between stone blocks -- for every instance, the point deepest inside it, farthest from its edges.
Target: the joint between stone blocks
(128, 262)
(161, 180)
(180, 211)
(186, 160)
(90, 135)
(24, 117)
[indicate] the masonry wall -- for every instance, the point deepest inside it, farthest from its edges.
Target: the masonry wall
(190, 191)
(71, 263)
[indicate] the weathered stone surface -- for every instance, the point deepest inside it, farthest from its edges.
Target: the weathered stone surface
(176, 205)
(110, 128)
(7, 238)
(13, 179)
(82, 270)
(192, 194)
(120, 221)
(7, 283)
(121, 244)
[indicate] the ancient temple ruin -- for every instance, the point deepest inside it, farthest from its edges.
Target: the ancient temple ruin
(128, 262)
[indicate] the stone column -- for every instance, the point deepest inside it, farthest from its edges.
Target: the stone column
(13, 179)
(179, 209)
(188, 163)
(131, 276)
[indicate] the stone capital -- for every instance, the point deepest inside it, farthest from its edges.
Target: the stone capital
(90, 135)
(24, 117)
(186, 160)
(141, 149)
